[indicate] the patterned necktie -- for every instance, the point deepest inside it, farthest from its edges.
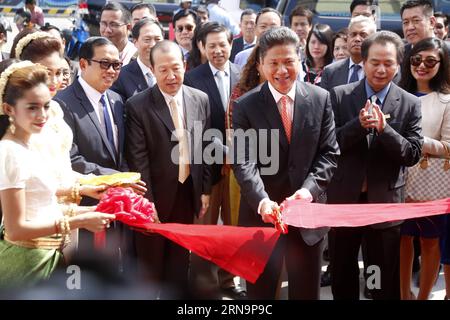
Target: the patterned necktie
(222, 90)
(287, 123)
(150, 79)
(183, 158)
(107, 122)
(354, 77)
(248, 45)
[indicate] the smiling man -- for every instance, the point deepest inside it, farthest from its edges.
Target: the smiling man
(301, 115)
(376, 146)
(217, 78)
(179, 187)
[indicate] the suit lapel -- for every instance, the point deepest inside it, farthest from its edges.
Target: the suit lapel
(343, 72)
(137, 76)
(117, 113)
(234, 76)
(302, 103)
(391, 101)
(211, 85)
(359, 97)
(161, 108)
(89, 109)
(190, 109)
(270, 111)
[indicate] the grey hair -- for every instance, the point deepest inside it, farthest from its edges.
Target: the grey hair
(383, 37)
(275, 37)
(363, 19)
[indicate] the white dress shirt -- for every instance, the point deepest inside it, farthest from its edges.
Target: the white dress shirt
(179, 97)
(350, 70)
(290, 102)
(94, 97)
(145, 70)
(226, 78)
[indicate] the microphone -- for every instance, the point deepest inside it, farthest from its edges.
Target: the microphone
(373, 100)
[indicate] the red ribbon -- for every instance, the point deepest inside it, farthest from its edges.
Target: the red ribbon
(245, 251)
(313, 215)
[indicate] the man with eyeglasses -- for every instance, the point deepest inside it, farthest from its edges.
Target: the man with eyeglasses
(184, 23)
(441, 26)
(115, 23)
(266, 19)
(95, 115)
(137, 75)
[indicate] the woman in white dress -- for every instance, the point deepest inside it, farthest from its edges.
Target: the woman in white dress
(35, 227)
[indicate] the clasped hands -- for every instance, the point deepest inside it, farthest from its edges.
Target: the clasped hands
(372, 120)
(270, 210)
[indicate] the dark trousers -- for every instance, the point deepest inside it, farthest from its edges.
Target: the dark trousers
(303, 269)
(162, 264)
(382, 250)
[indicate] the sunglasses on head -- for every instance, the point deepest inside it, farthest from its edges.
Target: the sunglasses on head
(105, 65)
(187, 27)
(429, 62)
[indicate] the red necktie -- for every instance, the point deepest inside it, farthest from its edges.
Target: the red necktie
(287, 123)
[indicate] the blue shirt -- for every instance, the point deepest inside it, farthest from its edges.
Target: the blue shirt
(381, 95)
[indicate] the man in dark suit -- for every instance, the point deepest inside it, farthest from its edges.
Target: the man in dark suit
(418, 22)
(248, 38)
(137, 76)
(376, 147)
(217, 78)
(350, 69)
(95, 115)
(178, 186)
(300, 118)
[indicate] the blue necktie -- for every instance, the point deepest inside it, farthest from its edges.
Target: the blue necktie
(107, 122)
(248, 46)
(354, 77)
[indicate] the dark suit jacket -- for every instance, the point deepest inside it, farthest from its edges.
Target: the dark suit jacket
(238, 46)
(91, 152)
(149, 145)
(307, 162)
(384, 163)
(202, 78)
(336, 74)
(131, 81)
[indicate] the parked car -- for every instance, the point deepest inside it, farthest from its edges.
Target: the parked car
(164, 11)
(336, 13)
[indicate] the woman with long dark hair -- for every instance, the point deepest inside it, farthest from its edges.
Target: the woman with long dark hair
(426, 73)
(319, 53)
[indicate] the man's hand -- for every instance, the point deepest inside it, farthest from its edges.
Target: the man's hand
(138, 187)
(205, 205)
(302, 194)
(266, 211)
(366, 118)
(95, 192)
(381, 119)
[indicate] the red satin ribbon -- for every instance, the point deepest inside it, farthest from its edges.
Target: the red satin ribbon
(245, 251)
(313, 215)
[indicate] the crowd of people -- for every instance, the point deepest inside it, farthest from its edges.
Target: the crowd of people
(358, 114)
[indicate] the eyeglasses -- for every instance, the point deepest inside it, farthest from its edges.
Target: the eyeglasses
(105, 65)
(112, 25)
(188, 27)
(429, 62)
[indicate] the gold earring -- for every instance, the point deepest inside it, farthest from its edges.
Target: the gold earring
(12, 127)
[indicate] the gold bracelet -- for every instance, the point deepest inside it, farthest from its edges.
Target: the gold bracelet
(70, 210)
(76, 197)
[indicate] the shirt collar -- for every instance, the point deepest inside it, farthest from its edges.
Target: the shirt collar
(381, 95)
(226, 69)
(143, 67)
(277, 95)
(91, 93)
(178, 96)
(351, 63)
(248, 43)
